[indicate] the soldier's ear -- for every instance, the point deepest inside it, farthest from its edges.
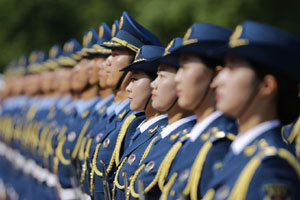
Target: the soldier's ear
(268, 85)
(218, 69)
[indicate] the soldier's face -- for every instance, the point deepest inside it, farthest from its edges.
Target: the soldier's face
(18, 85)
(234, 86)
(102, 77)
(164, 88)
(93, 72)
(46, 81)
(80, 75)
(64, 77)
(139, 90)
(192, 81)
(34, 84)
(116, 61)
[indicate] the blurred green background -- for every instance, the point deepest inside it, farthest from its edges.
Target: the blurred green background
(39, 24)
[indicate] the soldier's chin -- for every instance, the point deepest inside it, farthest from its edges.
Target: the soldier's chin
(184, 104)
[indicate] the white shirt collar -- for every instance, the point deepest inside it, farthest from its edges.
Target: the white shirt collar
(168, 129)
(146, 124)
(199, 127)
(242, 140)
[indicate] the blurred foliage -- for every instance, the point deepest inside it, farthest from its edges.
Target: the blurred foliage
(39, 24)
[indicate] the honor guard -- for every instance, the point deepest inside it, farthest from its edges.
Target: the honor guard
(122, 122)
(261, 72)
(209, 140)
(180, 122)
(143, 72)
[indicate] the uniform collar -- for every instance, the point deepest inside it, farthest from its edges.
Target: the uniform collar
(146, 124)
(112, 107)
(166, 131)
(201, 126)
(103, 102)
(64, 101)
(121, 106)
(82, 105)
(245, 139)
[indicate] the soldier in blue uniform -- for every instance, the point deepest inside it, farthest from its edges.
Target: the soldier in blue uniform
(121, 121)
(210, 138)
(143, 73)
(180, 122)
(258, 86)
(69, 144)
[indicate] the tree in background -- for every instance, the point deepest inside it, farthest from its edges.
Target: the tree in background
(38, 24)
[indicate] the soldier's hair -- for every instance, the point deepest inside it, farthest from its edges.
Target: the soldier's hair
(211, 63)
(288, 101)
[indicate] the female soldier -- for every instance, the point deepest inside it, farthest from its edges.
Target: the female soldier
(211, 137)
(180, 122)
(143, 72)
(258, 86)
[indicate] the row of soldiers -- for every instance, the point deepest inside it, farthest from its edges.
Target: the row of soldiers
(122, 117)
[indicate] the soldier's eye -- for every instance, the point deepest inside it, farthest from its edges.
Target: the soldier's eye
(132, 79)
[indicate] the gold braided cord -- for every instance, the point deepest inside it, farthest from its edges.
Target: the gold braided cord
(83, 172)
(209, 195)
(195, 175)
(43, 139)
(55, 164)
(81, 149)
(88, 148)
(167, 162)
(241, 187)
(295, 131)
(116, 153)
(76, 149)
(62, 132)
(147, 150)
(121, 136)
(168, 186)
(49, 148)
(125, 44)
(116, 182)
(94, 169)
(59, 152)
(132, 182)
(230, 136)
(290, 158)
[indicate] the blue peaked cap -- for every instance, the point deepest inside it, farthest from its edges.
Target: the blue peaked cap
(145, 59)
(275, 49)
(132, 35)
